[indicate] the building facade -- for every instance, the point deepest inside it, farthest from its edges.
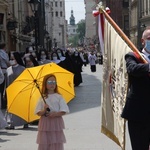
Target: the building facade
(120, 13)
(57, 23)
(140, 11)
(3, 20)
(90, 22)
(17, 26)
(17, 22)
(133, 17)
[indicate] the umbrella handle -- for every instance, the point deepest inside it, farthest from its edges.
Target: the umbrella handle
(35, 81)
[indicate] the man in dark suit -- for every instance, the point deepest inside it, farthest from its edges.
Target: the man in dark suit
(137, 106)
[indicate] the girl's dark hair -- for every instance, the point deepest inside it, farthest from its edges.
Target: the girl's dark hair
(44, 89)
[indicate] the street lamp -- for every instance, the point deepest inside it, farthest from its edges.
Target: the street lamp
(34, 7)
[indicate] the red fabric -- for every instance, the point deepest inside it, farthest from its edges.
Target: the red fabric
(95, 13)
(102, 24)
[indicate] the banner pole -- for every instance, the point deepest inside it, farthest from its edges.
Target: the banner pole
(121, 33)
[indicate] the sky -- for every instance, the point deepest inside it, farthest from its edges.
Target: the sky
(78, 8)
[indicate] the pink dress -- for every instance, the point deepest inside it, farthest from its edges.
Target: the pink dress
(50, 130)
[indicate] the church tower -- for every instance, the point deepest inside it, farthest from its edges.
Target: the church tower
(72, 18)
(72, 27)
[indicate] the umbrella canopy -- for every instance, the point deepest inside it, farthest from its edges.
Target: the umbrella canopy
(23, 93)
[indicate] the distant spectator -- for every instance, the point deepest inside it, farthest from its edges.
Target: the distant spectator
(16, 68)
(30, 61)
(4, 64)
(55, 58)
(43, 57)
(77, 59)
(3, 122)
(92, 61)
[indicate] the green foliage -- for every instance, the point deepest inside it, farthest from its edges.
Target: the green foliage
(73, 40)
(81, 29)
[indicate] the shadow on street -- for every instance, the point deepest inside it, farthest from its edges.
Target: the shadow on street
(88, 93)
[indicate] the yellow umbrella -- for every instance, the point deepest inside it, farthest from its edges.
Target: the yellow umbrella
(23, 93)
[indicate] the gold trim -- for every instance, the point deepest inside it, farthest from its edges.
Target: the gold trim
(112, 136)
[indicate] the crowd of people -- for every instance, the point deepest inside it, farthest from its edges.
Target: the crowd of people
(13, 63)
(50, 124)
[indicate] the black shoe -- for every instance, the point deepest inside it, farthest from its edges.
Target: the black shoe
(25, 126)
(35, 122)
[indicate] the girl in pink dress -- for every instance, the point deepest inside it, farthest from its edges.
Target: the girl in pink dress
(50, 128)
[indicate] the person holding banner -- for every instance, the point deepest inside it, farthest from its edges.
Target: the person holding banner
(137, 107)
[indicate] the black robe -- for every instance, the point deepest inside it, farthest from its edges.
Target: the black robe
(69, 65)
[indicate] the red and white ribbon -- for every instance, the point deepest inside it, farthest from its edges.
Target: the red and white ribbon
(101, 20)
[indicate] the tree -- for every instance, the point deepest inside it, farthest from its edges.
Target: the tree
(73, 40)
(81, 30)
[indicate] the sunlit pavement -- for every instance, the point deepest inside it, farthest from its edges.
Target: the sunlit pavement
(83, 123)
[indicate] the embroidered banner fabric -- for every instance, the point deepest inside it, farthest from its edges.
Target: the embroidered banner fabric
(115, 82)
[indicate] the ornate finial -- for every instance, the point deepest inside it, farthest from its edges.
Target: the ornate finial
(100, 3)
(100, 6)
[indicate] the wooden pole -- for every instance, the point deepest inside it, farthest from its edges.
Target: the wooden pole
(121, 33)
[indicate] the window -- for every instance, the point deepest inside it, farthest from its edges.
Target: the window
(61, 14)
(56, 13)
(60, 4)
(0, 37)
(146, 7)
(125, 3)
(126, 22)
(56, 4)
(1, 18)
(142, 8)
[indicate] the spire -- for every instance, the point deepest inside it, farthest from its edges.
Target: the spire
(72, 18)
